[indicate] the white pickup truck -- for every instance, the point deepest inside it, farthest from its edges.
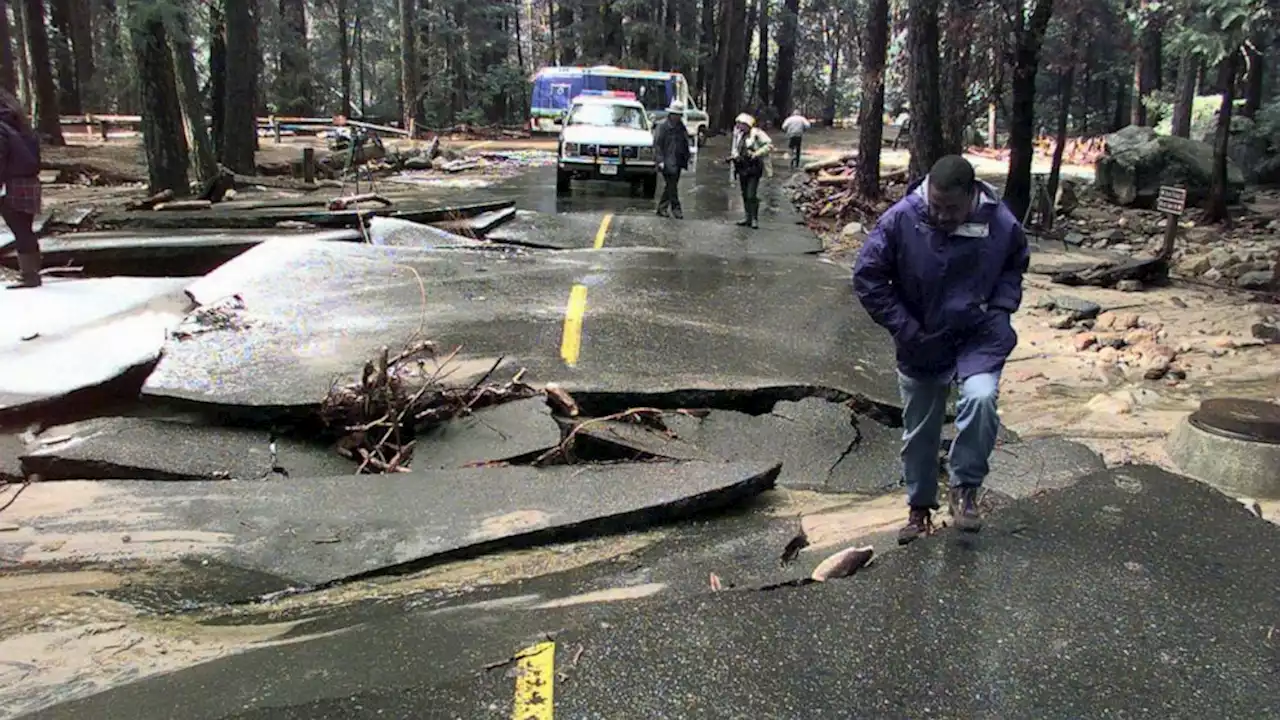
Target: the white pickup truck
(606, 136)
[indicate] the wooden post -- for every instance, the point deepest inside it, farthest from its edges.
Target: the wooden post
(309, 165)
(106, 130)
(412, 126)
(1172, 201)
(275, 128)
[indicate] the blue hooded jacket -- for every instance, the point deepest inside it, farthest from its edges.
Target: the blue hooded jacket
(945, 298)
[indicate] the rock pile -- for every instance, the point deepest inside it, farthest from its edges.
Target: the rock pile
(1118, 339)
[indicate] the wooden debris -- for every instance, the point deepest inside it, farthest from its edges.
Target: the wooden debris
(456, 166)
(150, 202)
(1151, 271)
(830, 163)
(184, 205)
(561, 401)
(343, 203)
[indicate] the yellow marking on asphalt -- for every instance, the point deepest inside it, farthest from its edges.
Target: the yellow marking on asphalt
(604, 230)
(535, 682)
(571, 339)
(484, 143)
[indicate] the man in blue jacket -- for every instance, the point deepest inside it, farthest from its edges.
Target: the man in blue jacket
(942, 272)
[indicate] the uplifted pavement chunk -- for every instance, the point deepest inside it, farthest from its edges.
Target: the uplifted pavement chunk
(502, 432)
(320, 530)
(578, 231)
(822, 445)
(655, 321)
(1147, 588)
(143, 449)
(77, 334)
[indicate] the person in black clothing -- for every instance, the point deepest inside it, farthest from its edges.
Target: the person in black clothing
(671, 152)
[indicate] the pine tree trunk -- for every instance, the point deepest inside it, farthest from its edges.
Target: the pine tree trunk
(47, 116)
(706, 55)
(188, 87)
(1065, 87)
(923, 86)
(1017, 192)
(1217, 210)
(162, 132)
(408, 62)
(82, 47)
(784, 75)
(833, 80)
(762, 59)
(8, 71)
(26, 82)
(871, 109)
(217, 79)
(293, 87)
(240, 122)
(112, 60)
(1185, 95)
(60, 43)
(955, 80)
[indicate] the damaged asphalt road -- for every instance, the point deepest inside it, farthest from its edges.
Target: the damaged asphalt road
(729, 401)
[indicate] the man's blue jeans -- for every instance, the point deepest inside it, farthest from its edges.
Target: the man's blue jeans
(924, 402)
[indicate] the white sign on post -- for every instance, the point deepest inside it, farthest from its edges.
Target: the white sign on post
(1172, 200)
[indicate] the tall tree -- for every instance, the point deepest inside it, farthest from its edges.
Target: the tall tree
(60, 40)
(762, 54)
(1217, 210)
(1028, 36)
(217, 78)
(82, 17)
(1066, 68)
(188, 90)
(1147, 65)
(8, 72)
(955, 74)
(1185, 94)
(408, 62)
(47, 116)
(923, 91)
(293, 89)
(344, 58)
(784, 75)
(240, 122)
(162, 132)
(871, 110)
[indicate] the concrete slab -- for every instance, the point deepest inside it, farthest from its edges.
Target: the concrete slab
(394, 232)
(123, 448)
(159, 252)
(316, 531)
(822, 445)
(578, 231)
(503, 432)
(1154, 610)
(655, 321)
(78, 334)
(1024, 468)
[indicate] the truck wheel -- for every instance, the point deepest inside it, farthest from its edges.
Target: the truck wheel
(651, 186)
(562, 182)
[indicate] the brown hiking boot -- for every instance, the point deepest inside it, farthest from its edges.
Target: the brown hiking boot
(919, 523)
(964, 508)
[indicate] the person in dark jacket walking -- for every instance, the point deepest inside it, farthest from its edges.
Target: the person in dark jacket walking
(671, 152)
(20, 174)
(942, 271)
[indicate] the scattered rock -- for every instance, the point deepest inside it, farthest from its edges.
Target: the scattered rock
(1064, 322)
(1257, 280)
(1212, 275)
(852, 231)
(1084, 341)
(1194, 265)
(1129, 285)
(1108, 355)
(1119, 403)
(1117, 321)
(1112, 341)
(1220, 258)
(1077, 308)
(1267, 333)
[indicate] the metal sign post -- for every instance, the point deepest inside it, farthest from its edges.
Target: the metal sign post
(1172, 201)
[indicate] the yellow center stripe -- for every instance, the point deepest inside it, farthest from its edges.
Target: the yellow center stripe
(535, 682)
(604, 230)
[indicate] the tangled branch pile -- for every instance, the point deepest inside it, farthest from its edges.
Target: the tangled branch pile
(828, 193)
(219, 315)
(396, 397)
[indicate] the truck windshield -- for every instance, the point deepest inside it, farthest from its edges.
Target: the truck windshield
(609, 116)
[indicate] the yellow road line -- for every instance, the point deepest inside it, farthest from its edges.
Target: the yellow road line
(571, 339)
(604, 230)
(477, 145)
(535, 679)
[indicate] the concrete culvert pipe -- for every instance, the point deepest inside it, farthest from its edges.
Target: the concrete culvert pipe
(1232, 444)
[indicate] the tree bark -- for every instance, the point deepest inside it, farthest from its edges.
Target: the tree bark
(240, 122)
(706, 56)
(293, 81)
(784, 75)
(26, 85)
(871, 109)
(48, 119)
(1254, 83)
(762, 58)
(60, 42)
(1066, 84)
(1188, 71)
(408, 62)
(82, 48)
(1217, 210)
(1146, 71)
(1030, 38)
(829, 107)
(344, 57)
(162, 133)
(8, 71)
(955, 81)
(217, 78)
(112, 60)
(188, 89)
(923, 86)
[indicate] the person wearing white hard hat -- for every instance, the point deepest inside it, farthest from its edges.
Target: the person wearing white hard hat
(671, 153)
(748, 162)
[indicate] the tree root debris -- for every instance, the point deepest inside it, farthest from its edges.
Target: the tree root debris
(377, 418)
(218, 315)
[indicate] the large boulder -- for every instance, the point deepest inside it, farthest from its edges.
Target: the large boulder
(1254, 146)
(1137, 161)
